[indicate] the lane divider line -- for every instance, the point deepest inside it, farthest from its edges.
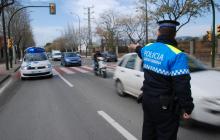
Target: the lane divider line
(117, 126)
(5, 86)
(66, 81)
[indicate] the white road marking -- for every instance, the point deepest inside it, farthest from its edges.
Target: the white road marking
(87, 67)
(5, 86)
(66, 81)
(117, 126)
(67, 71)
(54, 71)
(79, 70)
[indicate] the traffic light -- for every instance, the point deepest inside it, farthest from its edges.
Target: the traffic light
(209, 35)
(10, 43)
(52, 8)
(218, 30)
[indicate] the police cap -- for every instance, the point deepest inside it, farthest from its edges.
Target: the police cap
(168, 24)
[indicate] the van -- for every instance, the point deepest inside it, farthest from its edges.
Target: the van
(56, 55)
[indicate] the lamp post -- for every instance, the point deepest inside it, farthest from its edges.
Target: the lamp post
(213, 33)
(79, 31)
(146, 16)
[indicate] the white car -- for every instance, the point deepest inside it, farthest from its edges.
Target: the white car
(205, 87)
(35, 64)
(56, 55)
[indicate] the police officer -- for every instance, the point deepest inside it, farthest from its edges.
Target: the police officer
(166, 86)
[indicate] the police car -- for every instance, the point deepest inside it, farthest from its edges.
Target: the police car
(35, 64)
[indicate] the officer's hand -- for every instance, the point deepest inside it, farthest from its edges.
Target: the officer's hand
(133, 46)
(186, 116)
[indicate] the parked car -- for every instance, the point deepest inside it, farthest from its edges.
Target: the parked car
(78, 53)
(49, 55)
(70, 58)
(129, 78)
(110, 56)
(56, 55)
(35, 64)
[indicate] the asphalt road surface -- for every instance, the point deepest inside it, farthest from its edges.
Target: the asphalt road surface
(76, 105)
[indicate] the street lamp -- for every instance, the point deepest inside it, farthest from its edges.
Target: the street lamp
(213, 33)
(79, 31)
(146, 16)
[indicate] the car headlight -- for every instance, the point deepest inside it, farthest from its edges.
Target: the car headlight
(24, 67)
(49, 66)
(67, 59)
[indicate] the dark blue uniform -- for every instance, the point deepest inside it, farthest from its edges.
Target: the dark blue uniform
(166, 89)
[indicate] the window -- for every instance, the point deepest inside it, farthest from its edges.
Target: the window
(70, 55)
(195, 65)
(35, 57)
(121, 62)
(131, 62)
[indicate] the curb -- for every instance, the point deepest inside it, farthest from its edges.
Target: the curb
(4, 79)
(8, 76)
(6, 96)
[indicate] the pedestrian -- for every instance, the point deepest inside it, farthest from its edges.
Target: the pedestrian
(166, 87)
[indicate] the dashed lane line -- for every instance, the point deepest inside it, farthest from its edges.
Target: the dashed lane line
(117, 126)
(66, 81)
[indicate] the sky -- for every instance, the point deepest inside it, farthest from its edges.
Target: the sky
(47, 27)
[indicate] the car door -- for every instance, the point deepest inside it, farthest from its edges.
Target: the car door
(120, 71)
(131, 77)
(138, 77)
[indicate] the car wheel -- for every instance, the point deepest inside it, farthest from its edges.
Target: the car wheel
(104, 74)
(22, 78)
(50, 76)
(120, 88)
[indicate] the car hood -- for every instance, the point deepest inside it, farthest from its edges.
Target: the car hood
(36, 63)
(205, 84)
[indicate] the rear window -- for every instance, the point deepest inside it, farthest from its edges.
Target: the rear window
(57, 53)
(70, 54)
(35, 57)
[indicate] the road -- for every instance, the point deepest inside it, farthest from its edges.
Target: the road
(76, 105)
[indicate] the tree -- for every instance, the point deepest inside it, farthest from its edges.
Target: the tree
(108, 28)
(133, 27)
(21, 30)
(180, 10)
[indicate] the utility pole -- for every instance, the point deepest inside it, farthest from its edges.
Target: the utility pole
(4, 32)
(146, 27)
(89, 29)
(213, 33)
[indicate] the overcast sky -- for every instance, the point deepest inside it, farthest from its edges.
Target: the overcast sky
(47, 27)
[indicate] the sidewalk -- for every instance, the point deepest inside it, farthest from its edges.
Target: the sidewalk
(5, 74)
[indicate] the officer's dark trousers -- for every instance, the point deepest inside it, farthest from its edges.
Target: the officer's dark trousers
(158, 124)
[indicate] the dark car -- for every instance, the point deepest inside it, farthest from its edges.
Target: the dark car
(70, 59)
(110, 56)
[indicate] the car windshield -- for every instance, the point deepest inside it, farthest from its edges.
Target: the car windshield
(35, 57)
(195, 65)
(57, 53)
(70, 55)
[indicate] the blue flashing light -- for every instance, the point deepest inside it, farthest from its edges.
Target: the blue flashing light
(35, 50)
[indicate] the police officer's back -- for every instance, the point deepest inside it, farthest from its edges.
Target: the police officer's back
(166, 87)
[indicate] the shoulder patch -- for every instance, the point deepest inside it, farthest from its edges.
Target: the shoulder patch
(174, 49)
